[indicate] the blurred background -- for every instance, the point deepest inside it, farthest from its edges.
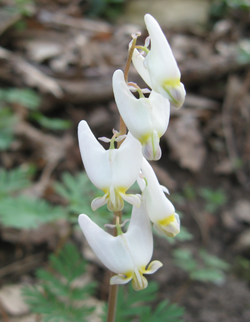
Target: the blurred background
(57, 58)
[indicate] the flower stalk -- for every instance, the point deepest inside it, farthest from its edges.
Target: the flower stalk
(127, 255)
(113, 289)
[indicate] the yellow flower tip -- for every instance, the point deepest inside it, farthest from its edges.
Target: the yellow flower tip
(121, 278)
(175, 91)
(166, 221)
(172, 82)
(139, 282)
(169, 226)
(144, 138)
(114, 198)
(150, 146)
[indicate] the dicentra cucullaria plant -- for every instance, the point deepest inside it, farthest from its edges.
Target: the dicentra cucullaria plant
(115, 170)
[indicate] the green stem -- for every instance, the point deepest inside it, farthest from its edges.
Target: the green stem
(113, 289)
(128, 62)
(145, 49)
(123, 127)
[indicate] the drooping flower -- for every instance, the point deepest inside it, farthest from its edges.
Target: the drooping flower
(127, 254)
(160, 210)
(159, 68)
(146, 118)
(113, 171)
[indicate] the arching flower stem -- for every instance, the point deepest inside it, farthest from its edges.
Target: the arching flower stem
(113, 289)
(143, 48)
(139, 90)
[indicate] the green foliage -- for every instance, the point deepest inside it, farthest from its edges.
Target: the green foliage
(7, 122)
(132, 305)
(22, 7)
(164, 312)
(189, 192)
(51, 124)
(237, 4)
(184, 235)
(214, 199)
(220, 8)
(14, 180)
(204, 268)
(243, 57)
(241, 268)
(28, 213)
(25, 97)
(57, 297)
(79, 192)
(106, 8)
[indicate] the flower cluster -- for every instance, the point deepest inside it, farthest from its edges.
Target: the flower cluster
(115, 170)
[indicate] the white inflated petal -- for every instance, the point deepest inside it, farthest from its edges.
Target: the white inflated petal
(139, 237)
(153, 267)
(136, 113)
(157, 204)
(160, 113)
(95, 158)
(139, 63)
(159, 68)
(160, 61)
(170, 230)
(151, 147)
(112, 251)
(146, 118)
(127, 162)
(115, 168)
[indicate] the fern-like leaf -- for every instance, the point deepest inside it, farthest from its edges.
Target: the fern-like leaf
(130, 303)
(28, 213)
(7, 122)
(57, 298)
(13, 180)
(25, 97)
(164, 312)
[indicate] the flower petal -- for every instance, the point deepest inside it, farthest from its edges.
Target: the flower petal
(139, 282)
(141, 115)
(120, 279)
(151, 148)
(136, 113)
(134, 200)
(159, 68)
(112, 171)
(153, 267)
(99, 202)
(139, 63)
(157, 204)
(161, 64)
(160, 50)
(167, 227)
(112, 251)
(95, 158)
(127, 163)
(139, 237)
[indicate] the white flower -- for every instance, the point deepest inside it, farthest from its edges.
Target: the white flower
(113, 171)
(146, 118)
(160, 210)
(159, 68)
(127, 254)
